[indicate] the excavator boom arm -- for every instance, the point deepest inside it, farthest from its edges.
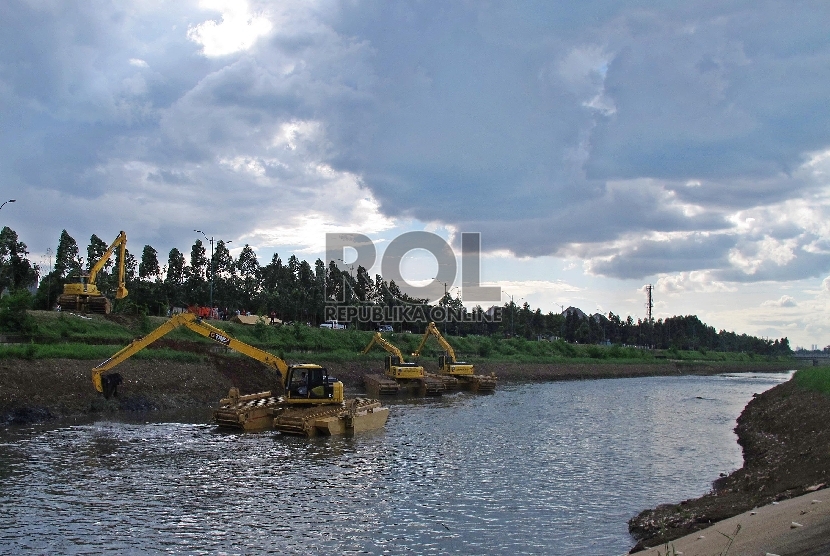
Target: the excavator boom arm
(121, 241)
(121, 292)
(192, 322)
(378, 339)
(220, 336)
(432, 330)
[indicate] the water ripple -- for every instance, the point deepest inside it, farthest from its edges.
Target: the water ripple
(554, 468)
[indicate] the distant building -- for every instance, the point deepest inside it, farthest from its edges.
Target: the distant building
(574, 311)
(491, 312)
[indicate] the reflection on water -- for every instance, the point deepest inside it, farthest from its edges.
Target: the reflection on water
(552, 468)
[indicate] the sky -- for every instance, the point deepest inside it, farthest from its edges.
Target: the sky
(596, 146)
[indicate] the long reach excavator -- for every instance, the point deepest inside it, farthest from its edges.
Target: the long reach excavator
(399, 375)
(84, 296)
(455, 372)
(312, 403)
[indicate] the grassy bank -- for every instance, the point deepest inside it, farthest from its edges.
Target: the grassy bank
(816, 379)
(65, 335)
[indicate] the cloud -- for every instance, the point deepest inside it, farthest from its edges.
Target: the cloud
(783, 301)
(675, 142)
(695, 281)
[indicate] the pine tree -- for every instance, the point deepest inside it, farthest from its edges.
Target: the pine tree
(66, 257)
(149, 266)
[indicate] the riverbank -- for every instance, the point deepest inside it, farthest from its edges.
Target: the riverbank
(41, 389)
(44, 389)
(786, 445)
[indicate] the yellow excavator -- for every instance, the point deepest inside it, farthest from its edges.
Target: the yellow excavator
(398, 373)
(84, 296)
(462, 373)
(312, 402)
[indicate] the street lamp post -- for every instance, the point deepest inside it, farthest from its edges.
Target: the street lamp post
(212, 266)
(9, 201)
(49, 282)
(512, 310)
(444, 301)
(351, 275)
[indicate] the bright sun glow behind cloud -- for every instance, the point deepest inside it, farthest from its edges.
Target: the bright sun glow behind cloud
(238, 30)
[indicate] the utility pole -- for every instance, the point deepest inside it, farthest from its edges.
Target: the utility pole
(649, 318)
(446, 306)
(49, 280)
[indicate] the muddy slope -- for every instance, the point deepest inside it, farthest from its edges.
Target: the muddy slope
(786, 444)
(37, 390)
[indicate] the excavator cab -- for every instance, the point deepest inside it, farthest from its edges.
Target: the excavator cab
(310, 382)
(392, 361)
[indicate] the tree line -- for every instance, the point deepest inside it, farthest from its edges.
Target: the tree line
(298, 292)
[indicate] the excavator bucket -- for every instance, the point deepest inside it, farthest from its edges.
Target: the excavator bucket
(110, 383)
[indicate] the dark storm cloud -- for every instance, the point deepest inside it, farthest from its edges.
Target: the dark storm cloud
(484, 128)
(571, 129)
(676, 255)
(804, 265)
(735, 93)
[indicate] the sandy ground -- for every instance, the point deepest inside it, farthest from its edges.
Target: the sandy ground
(798, 526)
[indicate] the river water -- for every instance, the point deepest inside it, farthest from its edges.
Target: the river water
(550, 468)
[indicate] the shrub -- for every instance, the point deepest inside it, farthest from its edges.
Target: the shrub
(595, 352)
(13, 316)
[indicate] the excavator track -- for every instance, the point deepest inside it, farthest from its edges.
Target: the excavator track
(450, 382)
(482, 383)
(433, 385)
(355, 415)
(249, 413)
(85, 303)
(262, 411)
(379, 385)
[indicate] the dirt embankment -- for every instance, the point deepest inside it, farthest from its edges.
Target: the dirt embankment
(786, 446)
(38, 390)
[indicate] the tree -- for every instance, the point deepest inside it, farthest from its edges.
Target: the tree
(363, 285)
(149, 266)
(224, 283)
(130, 265)
(198, 261)
(196, 276)
(175, 277)
(223, 261)
(16, 272)
(95, 253)
(66, 257)
(250, 273)
(305, 283)
(334, 284)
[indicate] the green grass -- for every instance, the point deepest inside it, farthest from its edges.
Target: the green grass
(68, 335)
(90, 352)
(816, 378)
(55, 326)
